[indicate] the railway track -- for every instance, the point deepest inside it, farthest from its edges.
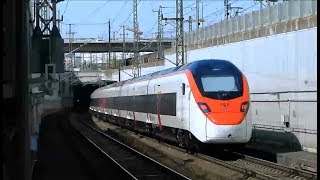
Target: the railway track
(261, 169)
(257, 168)
(131, 162)
(254, 168)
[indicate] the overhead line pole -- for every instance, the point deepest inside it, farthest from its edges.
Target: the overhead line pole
(71, 36)
(160, 35)
(114, 57)
(189, 21)
(179, 33)
(136, 37)
(109, 49)
(226, 9)
(197, 14)
(123, 50)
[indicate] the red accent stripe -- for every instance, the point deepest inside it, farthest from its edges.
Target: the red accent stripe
(158, 111)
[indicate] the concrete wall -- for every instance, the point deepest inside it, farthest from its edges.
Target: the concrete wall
(283, 17)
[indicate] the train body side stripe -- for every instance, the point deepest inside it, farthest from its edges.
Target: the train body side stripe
(142, 103)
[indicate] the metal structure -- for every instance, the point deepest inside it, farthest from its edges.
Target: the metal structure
(114, 55)
(46, 13)
(179, 33)
(136, 37)
(189, 21)
(226, 9)
(124, 43)
(47, 41)
(71, 55)
(160, 35)
(197, 14)
(123, 51)
(109, 51)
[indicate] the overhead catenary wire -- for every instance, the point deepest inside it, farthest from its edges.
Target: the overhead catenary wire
(120, 10)
(86, 24)
(249, 7)
(214, 13)
(150, 31)
(97, 9)
(174, 7)
(129, 15)
(65, 8)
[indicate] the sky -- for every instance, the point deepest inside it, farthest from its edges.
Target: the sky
(89, 18)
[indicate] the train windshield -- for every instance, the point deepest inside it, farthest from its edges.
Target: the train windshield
(219, 83)
(218, 79)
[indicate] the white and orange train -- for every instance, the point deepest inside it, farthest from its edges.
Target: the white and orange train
(203, 101)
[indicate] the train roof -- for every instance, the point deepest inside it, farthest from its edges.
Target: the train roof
(161, 72)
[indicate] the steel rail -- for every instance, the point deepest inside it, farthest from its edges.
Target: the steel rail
(164, 169)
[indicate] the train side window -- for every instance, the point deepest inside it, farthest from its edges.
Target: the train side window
(183, 88)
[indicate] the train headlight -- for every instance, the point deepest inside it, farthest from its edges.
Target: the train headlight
(244, 107)
(204, 107)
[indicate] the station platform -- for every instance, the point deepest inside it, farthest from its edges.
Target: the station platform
(57, 158)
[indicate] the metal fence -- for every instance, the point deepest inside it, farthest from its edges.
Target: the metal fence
(281, 12)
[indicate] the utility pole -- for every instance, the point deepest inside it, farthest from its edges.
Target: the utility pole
(202, 20)
(226, 9)
(160, 35)
(179, 32)
(109, 49)
(124, 43)
(136, 37)
(123, 50)
(189, 21)
(197, 14)
(71, 37)
(114, 38)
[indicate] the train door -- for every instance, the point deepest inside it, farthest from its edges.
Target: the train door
(155, 117)
(184, 100)
(127, 91)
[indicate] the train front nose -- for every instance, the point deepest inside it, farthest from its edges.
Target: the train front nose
(227, 133)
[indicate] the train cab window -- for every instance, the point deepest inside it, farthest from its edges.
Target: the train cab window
(218, 80)
(218, 83)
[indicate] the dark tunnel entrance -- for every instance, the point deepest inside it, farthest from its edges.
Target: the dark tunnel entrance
(82, 92)
(81, 96)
